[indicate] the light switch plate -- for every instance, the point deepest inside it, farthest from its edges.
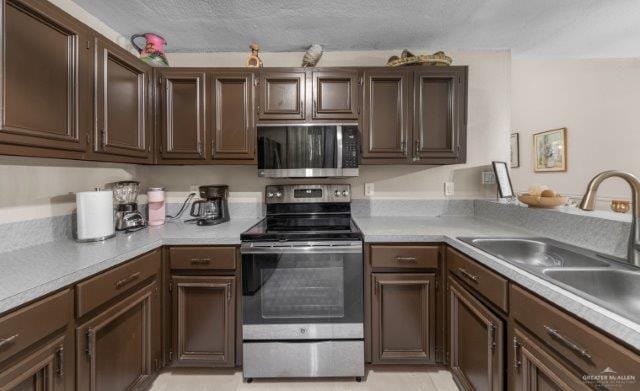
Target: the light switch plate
(368, 189)
(448, 188)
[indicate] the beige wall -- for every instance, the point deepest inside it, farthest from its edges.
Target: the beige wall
(598, 101)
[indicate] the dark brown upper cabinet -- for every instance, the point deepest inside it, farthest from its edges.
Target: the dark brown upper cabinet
(282, 95)
(123, 116)
(476, 341)
(234, 135)
(183, 124)
(335, 94)
(43, 63)
(403, 318)
(439, 123)
(386, 123)
(203, 320)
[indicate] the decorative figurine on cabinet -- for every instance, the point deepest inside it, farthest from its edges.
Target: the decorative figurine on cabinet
(254, 60)
(153, 52)
(312, 56)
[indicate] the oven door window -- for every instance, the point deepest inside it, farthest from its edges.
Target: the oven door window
(302, 288)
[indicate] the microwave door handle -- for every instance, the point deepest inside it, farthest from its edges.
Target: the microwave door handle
(339, 146)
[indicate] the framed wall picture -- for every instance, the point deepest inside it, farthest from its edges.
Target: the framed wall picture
(550, 150)
(505, 189)
(515, 150)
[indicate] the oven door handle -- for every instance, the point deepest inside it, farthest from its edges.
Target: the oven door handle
(279, 248)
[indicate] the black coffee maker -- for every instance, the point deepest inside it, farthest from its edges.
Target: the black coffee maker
(213, 208)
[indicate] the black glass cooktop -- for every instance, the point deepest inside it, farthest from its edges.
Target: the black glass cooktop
(301, 227)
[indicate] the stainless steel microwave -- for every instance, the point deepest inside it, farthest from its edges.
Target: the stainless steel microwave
(308, 150)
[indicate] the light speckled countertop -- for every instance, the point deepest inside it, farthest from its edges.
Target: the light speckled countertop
(33, 272)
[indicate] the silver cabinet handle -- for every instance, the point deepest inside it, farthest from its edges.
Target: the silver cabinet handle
(229, 292)
(60, 359)
(127, 280)
(200, 261)
(406, 259)
(465, 273)
(6, 341)
(516, 354)
(567, 342)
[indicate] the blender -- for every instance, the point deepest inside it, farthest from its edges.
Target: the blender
(125, 194)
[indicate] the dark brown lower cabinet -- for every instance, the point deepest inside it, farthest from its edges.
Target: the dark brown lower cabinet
(42, 370)
(403, 318)
(535, 369)
(476, 341)
(118, 349)
(203, 321)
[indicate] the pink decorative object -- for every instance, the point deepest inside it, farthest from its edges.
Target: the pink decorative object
(155, 200)
(153, 52)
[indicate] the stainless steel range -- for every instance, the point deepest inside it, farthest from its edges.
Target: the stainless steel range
(302, 286)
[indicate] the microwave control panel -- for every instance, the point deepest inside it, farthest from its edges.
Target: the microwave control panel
(350, 147)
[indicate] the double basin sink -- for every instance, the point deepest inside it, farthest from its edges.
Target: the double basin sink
(610, 283)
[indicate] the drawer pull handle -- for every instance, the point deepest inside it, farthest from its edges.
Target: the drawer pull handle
(406, 259)
(8, 340)
(567, 342)
(470, 276)
(127, 280)
(200, 261)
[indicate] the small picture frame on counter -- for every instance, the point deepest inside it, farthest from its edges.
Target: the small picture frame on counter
(503, 180)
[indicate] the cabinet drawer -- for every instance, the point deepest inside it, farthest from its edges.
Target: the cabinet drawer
(575, 342)
(105, 286)
(220, 258)
(405, 257)
(489, 284)
(21, 328)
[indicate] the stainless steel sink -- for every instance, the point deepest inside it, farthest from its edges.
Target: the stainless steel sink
(534, 252)
(615, 289)
(606, 281)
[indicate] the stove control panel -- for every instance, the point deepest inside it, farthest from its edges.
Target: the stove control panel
(293, 194)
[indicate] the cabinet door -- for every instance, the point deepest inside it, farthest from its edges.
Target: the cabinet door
(386, 122)
(203, 320)
(439, 124)
(281, 95)
(335, 95)
(476, 343)
(122, 107)
(119, 348)
(403, 318)
(538, 370)
(234, 130)
(42, 66)
(183, 115)
(41, 370)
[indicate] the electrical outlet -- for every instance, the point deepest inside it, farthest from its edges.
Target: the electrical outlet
(448, 188)
(488, 178)
(194, 189)
(368, 189)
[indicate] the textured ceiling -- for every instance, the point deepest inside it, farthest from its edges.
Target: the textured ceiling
(531, 28)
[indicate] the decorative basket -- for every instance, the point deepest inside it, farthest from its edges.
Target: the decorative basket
(438, 58)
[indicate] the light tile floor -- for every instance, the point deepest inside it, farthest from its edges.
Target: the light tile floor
(378, 378)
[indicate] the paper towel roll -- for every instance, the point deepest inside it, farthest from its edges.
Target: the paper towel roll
(94, 215)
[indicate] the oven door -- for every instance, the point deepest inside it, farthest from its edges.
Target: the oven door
(302, 290)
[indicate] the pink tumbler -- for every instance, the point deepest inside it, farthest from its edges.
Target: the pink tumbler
(155, 200)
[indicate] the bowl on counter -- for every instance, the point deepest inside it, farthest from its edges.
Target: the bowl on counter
(542, 202)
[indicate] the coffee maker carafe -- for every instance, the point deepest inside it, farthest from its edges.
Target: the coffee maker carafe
(212, 209)
(125, 194)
